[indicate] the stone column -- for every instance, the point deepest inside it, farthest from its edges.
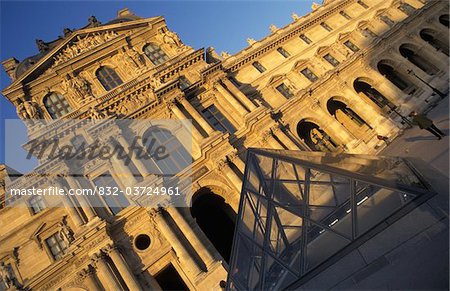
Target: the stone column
(286, 140)
(123, 268)
(236, 160)
(70, 203)
(122, 170)
(84, 201)
(105, 273)
(89, 279)
(181, 251)
(197, 116)
(228, 97)
(239, 95)
(270, 140)
(138, 163)
(180, 115)
(224, 167)
(186, 229)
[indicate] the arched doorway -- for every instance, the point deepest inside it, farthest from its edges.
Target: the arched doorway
(373, 94)
(409, 53)
(428, 35)
(394, 76)
(216, 219)
(354, 123)
(443, 19)
(315, 137)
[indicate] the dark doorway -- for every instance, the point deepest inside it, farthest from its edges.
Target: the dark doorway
(428, 35)
(392, 75)
(169, 279)
(217, 220)
(373, 94)
(419, 61)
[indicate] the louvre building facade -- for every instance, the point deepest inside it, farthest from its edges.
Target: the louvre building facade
(334, 80)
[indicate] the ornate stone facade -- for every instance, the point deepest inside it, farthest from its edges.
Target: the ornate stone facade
(332, 80)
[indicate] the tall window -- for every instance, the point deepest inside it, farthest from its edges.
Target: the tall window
(78, 142)
(155, 54)
(387, 20)
(217, 120)
(364, 5)
(57, 246)
(406, 8)
(108, 78)
(345, 15)
(369, 33)
(351, 46)
(259, 67)
(329, 58)
(56, 105)
(184, 82)
(283, 52)
(306, 39)
(175, 158)
(107, 184)
(326, 26)
(284, 90)
(309, 74)
(36, 204)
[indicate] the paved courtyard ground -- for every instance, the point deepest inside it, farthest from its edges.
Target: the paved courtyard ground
(415, 142)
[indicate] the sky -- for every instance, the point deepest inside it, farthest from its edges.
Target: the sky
(224, 25)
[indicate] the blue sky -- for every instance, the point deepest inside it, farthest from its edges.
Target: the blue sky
(225, 25)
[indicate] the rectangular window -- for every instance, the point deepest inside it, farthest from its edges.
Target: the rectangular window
(351, 46)
(234, 82)
(57, 246)
(183, 83)
(369, 33)
(309, 74)
(329, 58)
(345, 15)
(406, 8)
(78, 142)
(306, 39)
(107, 184)
(283, 52)
(36, 204)
(326, 26)
(364, 5)
(259, 67)
(387, 20)
(217, 120)
(284, 90)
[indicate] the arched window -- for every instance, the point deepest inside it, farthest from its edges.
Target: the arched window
(393, 75)
(175, 157)
(428, 35)
(108, 78)
(409, 53)
(56, 105)
(315, 137)
(155, 54)
(443, 19)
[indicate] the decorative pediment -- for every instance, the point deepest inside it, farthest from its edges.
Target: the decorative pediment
(300, 63)
(83, 44)
(380, 12)
(36, 234)
(322, 49)
(344, 35)
(362, 24)
(276, 79)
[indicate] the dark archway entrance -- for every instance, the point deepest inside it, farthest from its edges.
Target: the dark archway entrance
(443, 19)
(409, 53)
(315, 137)
(394, 76)
(216, 218)
(169, 279)
(373, 94)
(428, 35)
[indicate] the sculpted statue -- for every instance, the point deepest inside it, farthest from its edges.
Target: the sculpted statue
(250, 41)
(295, 16)
(134, 57)
(225, 55)
(273, 28)
(171, 38)
(95, 113)
(79, 85)
(28, 110)
(5, 275)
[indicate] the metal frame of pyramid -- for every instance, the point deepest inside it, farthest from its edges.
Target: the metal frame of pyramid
(301, 211)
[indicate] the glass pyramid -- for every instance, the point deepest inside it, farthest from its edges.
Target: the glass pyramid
(299, 209)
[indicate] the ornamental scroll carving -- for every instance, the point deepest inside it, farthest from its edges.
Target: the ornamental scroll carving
(83, 44)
